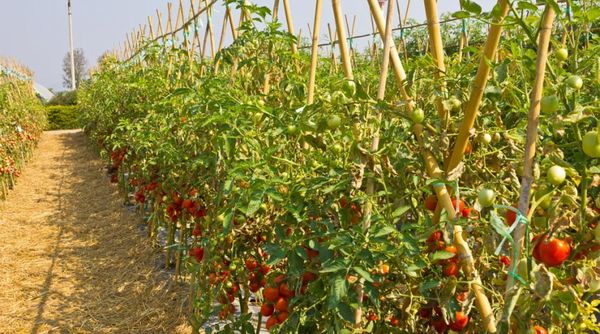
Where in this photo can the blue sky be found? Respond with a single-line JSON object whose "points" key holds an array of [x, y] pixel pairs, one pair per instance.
{"points": [[36, 32]]}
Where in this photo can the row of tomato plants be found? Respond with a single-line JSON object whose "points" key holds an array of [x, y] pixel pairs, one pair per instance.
{"points": [[263, 196], [22, 120]]}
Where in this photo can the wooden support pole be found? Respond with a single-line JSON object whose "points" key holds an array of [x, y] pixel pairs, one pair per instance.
{"points": [[275, 13], [332, 53], [394, 57], [385, 63], [437, 52], [479, 84], [224, 29], [512, 286], [314, 52], [151, 27], [290, 23]]}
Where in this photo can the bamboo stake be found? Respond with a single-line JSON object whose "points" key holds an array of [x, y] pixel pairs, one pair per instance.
{"points": [[437, 52], [160, 25], [169, 20], [232, 24], [435, 172], [385, 63], [290, 23], [394, 57], [314, 53], [512, 288], [224, 29], [332, 42], [210, 29], [479, 84], [150, 25], [406, 13], [275, 13], [267, 81]]}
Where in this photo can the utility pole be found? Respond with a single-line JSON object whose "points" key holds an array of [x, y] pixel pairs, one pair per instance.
{"points": [[73, 84]]}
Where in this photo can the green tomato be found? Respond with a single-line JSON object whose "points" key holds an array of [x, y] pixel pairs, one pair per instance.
{"points": [[418, 115], [562, 54], [575, 82], [334, 122], [549, 104], [257, 117], [339, 98], [591, 144], [337, 148], [556, 175], [454, 103], [349, 88], [484, 138], [486, 197], [292, 130], [541, 192]]}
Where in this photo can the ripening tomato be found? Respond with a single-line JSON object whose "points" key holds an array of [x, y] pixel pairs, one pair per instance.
{"points": [[554, 252], [539, 330]]}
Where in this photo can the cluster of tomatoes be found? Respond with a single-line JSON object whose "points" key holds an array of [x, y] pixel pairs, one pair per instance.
{"points": [[276, 302], [450, 265], [116, 157]]}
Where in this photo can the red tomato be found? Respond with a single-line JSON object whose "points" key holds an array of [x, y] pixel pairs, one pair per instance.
{"points": [[271, 322], [505, 260], [439, 324], [554, 252], [281, 305], [460, 321], [271, 294], [267, 310], [461, 204], [540, 330], [435, 236], [451, 269], [431, 202]]}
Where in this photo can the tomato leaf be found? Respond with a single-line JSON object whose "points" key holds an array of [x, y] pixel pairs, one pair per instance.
{"points": [[442, 255], [339, 290], [346, 312], [363, 273]]}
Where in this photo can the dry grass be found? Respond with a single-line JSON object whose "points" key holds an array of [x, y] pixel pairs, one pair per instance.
{"points": [[72, 259]]}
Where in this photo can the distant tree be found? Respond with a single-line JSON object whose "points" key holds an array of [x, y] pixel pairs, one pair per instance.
{"points": [[80, 68]]}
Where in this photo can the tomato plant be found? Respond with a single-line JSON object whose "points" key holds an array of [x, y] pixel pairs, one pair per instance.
{"points": [[266, 200]]}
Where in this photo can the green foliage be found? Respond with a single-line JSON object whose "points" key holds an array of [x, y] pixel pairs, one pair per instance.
{"points": [[66, 98], [22, 120], [63, 117], [276, 182]]}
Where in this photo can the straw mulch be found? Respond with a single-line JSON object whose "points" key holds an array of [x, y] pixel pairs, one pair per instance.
{"points": [[72, 260]]}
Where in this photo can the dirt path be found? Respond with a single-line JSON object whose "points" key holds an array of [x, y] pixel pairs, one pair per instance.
{"points": [[72, 260]]}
